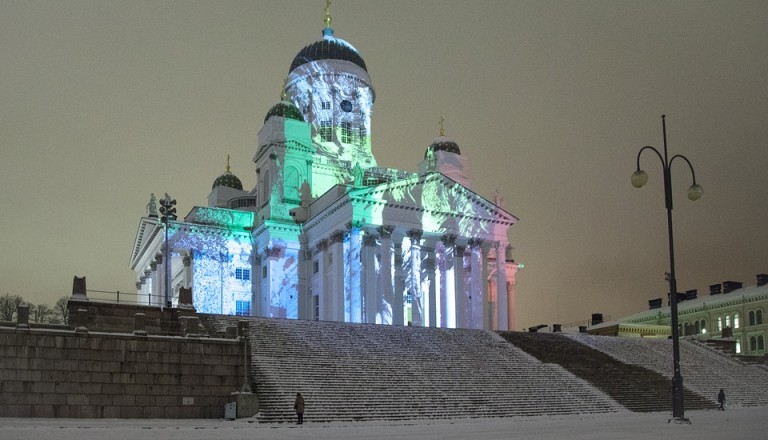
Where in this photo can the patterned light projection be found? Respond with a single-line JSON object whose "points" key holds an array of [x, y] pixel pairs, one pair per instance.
{"points": [[220, 244], [332, 235]]}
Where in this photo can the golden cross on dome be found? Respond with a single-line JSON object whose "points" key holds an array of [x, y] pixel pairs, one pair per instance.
{"points": [[227, 162], [442, 129], [327, 10]]}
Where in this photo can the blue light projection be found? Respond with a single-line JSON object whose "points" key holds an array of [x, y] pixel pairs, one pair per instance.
{"points": [[220, 243]]}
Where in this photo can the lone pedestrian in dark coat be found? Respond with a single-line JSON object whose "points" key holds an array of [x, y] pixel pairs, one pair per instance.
{"points": [[298, 405], [721, 399]]}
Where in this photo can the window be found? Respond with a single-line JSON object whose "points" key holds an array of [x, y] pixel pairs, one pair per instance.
{"points": [[727, 320], [264, 272], [703, 325], [242, 308], [736, 320], [326, 105], [243, 274], [738, 345], [316, 307], [719, 323], [362, 133], [751, 317], [326, 131], [346, 132], [759, 317], [315, 266], [760, 343], [753, 344], [697, 324]]}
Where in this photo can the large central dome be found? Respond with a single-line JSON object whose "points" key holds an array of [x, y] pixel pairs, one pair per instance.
{"points": [[329, 48]]}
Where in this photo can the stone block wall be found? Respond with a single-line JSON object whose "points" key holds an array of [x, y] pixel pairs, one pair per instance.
{"points": [[64, 373], [118, 318]]}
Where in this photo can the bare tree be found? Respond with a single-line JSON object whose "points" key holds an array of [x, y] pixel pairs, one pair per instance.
{"points": [[8, 305], [42, 313], [61, 311]]}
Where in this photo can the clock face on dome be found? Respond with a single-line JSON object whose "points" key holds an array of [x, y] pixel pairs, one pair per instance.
{"points": [[346, 106]]}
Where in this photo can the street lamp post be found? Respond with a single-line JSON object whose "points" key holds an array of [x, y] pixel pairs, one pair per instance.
{"points": [[640, 178], [168, 211]]}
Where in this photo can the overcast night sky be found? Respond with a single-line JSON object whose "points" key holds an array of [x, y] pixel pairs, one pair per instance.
{"points": [[104, 102]]}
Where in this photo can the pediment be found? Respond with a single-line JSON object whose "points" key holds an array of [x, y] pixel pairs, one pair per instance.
{"points": [[434, 203]]}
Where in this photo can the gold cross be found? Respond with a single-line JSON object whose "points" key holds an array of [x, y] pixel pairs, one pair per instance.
{"points": [[328, 13]]}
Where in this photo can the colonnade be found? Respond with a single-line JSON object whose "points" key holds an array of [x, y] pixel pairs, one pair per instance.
{"points": [[397, 276]]}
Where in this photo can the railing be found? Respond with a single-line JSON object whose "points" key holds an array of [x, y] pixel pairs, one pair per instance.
{"points": [[112, 296]]}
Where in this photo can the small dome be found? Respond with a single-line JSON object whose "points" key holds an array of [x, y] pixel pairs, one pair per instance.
{"points": [[228, 180], [329, 48], [286, 110], [443, 143]]}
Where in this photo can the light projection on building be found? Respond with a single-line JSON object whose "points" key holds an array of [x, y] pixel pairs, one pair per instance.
{"points": [[220, 245], [328, 234]]}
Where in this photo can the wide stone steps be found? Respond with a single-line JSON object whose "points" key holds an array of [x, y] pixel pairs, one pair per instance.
{"points": [[704, 369], [372, 372], [637, 388]]}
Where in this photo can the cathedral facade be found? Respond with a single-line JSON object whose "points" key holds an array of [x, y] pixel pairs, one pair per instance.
{"points": [[327, 233]]}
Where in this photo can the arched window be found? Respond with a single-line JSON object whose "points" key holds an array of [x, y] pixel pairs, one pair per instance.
{"points": [[752, 344], [736, 320], [738, 345], [698, 327], [759, 317], [727, 320], [751, 317], [760, 343], [719, 323], [703, 325]]}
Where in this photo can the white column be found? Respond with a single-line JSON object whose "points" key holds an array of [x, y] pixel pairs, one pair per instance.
{"points": [[459, 292], [430, 304], [353, 307], [502, 320], [476, 281], [335, 300], [385, 296], [445, 260], [414, 284], [398, 312], [370, 296], [319, 288], [510, 287], [487, 324]]}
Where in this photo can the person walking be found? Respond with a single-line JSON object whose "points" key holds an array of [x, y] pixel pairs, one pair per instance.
{"points": [[298, 405], [721, 399]]}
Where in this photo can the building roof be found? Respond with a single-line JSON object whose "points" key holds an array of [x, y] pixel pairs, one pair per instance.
{"points": [[739, 296], [328, 48]]}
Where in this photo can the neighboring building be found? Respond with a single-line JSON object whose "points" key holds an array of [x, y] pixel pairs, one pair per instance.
{"points": [[730, 313], [326, 233]]}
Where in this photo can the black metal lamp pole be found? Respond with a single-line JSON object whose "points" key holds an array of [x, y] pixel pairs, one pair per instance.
{"points": [[640, 178], [168, 211]]}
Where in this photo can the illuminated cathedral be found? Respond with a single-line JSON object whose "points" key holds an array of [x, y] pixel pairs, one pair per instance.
{"points": [[327, 233]]}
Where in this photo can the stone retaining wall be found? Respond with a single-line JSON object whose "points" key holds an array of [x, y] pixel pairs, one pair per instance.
{"points": [[65, 373]]}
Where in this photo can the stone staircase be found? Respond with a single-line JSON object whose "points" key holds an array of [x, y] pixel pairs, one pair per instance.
{"points": [[704, 369], [357, 372], [634, 386]]}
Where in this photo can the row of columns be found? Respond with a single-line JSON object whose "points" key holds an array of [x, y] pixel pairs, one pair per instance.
{"points": [[150, 288], [433, 278]]}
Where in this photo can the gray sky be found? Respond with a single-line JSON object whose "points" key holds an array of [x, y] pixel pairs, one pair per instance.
{"points": [[104, 102]]}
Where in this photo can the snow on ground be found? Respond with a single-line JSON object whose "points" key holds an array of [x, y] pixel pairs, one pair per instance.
{"points": [[751, 423]]}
